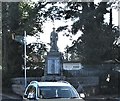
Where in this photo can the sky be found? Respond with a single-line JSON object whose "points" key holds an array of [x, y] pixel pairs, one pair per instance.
{"points": [[63, 41]]}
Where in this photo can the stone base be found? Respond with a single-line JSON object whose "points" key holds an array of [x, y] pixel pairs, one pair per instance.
{"points": [[54, 53], [52, 78]]}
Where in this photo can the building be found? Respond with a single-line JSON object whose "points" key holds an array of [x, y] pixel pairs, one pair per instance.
{"points": [[72, 65]]}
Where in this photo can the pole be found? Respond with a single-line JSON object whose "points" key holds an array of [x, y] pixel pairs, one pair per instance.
{"points": [[25, 58]]}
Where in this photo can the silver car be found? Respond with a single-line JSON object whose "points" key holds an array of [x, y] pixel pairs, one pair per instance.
{"points": [[50, 90]]}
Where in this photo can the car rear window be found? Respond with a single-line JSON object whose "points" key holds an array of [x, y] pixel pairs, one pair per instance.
{"points": [[57, 91]]}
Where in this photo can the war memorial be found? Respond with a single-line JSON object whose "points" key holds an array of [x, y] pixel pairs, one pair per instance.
{"points": [[54, 61]]}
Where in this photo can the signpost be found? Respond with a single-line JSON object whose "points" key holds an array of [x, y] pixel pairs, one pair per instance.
{"points": [[22, 40], [25, 58]]}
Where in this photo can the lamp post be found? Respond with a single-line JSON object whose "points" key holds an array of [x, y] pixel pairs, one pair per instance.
{"points": [[25, 59], [22, 40]]}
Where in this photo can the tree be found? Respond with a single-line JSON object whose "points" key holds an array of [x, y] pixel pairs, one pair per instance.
{"points": [[96, 44], [11, 54], [97, 38], [17, 17], [9, 25]]}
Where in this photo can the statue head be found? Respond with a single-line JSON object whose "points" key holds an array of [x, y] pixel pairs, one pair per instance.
{"points": [[54, 29]]}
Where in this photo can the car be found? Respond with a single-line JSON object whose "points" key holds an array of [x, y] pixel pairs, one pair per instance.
{"points": [[50, 90]]}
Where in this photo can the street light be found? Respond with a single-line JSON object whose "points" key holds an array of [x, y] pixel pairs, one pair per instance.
{"points": [[22, 40], [25, 58]]}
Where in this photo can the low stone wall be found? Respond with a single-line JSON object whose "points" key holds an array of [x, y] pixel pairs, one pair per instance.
{"points": [[21, 80], [18, 84], [86, 82], [18, 89], [89, 84]]}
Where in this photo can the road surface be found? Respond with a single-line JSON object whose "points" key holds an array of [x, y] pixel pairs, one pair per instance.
{"points": [[5, 97]]}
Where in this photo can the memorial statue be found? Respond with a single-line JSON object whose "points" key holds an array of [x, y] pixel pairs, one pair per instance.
{"points": [[53, 40], [54, 60]]}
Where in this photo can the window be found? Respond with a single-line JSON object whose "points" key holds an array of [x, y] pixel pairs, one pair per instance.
{"points": [[31, 92], [57, 91]]}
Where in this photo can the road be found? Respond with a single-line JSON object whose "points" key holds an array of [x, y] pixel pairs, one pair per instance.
{"points": [[14, 97], [10, 98], [102, 99], [5, 97]]}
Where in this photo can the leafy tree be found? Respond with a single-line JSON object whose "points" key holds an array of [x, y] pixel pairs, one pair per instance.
{"points": [[17, 17], [97, 38], [10, 23], [11, 55], [96, 44]]}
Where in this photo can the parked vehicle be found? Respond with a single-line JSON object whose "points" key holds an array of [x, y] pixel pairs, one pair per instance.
{"points": [[50, 90]]}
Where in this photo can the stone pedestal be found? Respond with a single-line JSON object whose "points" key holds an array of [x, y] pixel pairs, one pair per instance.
{"points": [[52, 78], [53, 67]]}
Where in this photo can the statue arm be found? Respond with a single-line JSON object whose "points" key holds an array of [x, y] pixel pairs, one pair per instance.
{"points": [[51, 36], [56, 36]]}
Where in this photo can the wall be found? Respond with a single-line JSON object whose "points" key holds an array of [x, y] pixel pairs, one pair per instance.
{"points": [[19, 88], [18, 84]]}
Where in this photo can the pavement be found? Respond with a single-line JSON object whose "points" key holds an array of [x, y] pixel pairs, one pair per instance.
{"points": [[11, 96], [15, 97], [103, 98]]}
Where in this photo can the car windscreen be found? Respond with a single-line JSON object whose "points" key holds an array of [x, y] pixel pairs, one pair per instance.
{"points": [[58, 92]]}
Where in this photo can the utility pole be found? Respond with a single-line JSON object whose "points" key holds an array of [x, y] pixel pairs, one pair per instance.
{"points": [[110, 22], [25, 59], [22, 40]]}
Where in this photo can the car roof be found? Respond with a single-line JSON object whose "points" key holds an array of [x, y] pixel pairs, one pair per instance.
{"points": [[58, 83]]}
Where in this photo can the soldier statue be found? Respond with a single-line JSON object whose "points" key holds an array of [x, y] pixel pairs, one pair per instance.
{"points": [[53, 40]]}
